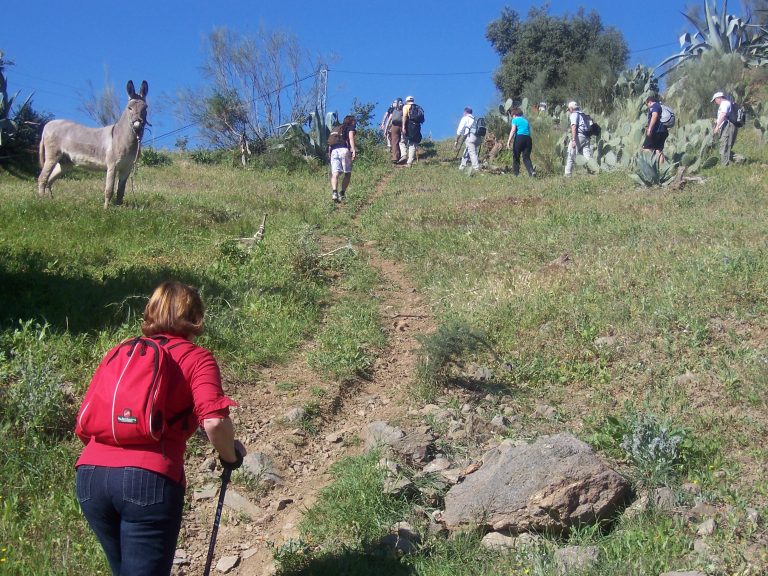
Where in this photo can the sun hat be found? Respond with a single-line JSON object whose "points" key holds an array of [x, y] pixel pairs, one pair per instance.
{"points": [[572, 104], [717, 95], [409, 99]]}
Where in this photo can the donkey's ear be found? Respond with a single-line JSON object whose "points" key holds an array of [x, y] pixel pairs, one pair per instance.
{"points": [[144, 89], [130, 89]]}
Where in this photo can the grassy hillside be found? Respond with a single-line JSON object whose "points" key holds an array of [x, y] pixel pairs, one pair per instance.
{"points": [[623, 309]]}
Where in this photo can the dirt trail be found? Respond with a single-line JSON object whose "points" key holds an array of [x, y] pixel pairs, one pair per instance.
{"points": [[303, 457]]}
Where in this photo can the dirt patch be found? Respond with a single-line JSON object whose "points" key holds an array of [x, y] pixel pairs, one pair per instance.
{"points": [[304, 454]]}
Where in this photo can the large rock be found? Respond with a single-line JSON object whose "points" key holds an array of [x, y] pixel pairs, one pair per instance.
{"points": [[549, 485]]}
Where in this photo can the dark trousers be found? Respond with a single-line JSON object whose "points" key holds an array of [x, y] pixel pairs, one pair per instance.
{"points": [[523, 146], [395, 133], [135, 514]]}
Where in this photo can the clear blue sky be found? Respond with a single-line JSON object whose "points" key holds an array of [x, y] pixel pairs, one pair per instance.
{"points": [[384, 50]]}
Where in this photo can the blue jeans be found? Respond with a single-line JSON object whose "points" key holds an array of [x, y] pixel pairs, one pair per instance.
{"points": [[135, 514]]}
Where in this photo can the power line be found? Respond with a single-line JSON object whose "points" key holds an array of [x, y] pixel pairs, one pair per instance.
{"points": [[363, 73], [261, 98]]}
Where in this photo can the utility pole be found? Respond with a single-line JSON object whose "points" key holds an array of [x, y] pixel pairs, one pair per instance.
{"points": [[322, 89]]}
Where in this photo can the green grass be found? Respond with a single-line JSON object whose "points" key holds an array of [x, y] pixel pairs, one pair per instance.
{"points": [[679, 279]]}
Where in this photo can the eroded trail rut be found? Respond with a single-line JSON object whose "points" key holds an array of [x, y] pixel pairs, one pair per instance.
{"points": [[303, 457]]}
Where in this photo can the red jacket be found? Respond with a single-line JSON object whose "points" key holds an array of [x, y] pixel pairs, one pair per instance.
{"points": [[198, 387]]}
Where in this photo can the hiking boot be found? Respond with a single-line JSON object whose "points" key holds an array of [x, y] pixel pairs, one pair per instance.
{"points": [[335, 197], [342, 196]]}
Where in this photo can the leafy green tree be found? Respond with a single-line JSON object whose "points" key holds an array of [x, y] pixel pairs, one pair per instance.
{"points": [[541, 52], [257, 84]]}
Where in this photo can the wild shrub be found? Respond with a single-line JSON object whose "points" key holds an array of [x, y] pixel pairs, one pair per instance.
{"points": [[654, 447], [452, 341], [152, 157], [210, 157]]}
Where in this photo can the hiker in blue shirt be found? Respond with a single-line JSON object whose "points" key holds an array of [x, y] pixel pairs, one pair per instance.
{"points": [[520, 134], [656, 132]]}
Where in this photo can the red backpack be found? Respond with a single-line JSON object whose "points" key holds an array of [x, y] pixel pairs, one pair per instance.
{"points": [[125, 401]]}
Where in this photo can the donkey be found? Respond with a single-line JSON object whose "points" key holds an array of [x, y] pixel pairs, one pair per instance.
{"points": [[114, 148]]}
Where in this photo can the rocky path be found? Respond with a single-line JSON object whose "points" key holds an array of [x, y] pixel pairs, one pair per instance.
{"points": [[255, 518]]}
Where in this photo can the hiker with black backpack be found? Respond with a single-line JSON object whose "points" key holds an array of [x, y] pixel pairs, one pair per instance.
{"points": [[656, 131], [395, 130], [342, 153], [581, 130], [730, 116], [468, 131], [413, 118], [146, 399]]}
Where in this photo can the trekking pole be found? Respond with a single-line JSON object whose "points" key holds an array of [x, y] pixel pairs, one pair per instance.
{"points": [[225, 476]]}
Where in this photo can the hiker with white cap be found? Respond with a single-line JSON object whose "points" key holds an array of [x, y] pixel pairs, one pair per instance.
{"points": [[413, 117], [579, 143], [724, 127]]}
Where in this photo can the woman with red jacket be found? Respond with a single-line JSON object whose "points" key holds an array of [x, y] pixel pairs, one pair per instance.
{"points": [[133, 496]]}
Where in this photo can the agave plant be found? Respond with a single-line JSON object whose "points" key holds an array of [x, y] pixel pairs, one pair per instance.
{"points": [[314, 143], [649, 171], [8, 125], [723, 33]]}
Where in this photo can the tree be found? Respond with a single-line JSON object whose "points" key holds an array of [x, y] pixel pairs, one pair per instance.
{"points": [[540, 52], [257, 84], [104, 107]]}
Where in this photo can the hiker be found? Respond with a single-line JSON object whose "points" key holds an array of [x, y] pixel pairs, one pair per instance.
{"points": [[341, 151], [385, 120], [520, 142], [725, 128], [579, 142], [413, 117], [471, 140], [655, 132], [395, 131], [133, 496]]}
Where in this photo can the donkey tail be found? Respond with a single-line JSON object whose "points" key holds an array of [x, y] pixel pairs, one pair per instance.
{"points": [[41, 154]]}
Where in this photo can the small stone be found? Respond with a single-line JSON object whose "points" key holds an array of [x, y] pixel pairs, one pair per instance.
{"points": [[706, 528], [334, 437], [606, 341], [664, 499], [497, 541], [437, 465], [576, 559], [282, 504], [295, 415], [753, 516], [206, 493], [227, 563]]}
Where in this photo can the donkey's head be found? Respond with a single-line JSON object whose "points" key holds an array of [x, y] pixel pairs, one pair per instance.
{"points": [[137, 107]]}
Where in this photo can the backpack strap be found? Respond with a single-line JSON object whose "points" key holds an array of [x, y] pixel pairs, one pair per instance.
{"points": [[163, 341]]}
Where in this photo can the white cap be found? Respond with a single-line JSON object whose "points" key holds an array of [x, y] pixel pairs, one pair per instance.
{"points": [[409, 99], [572, 105], [718, 95]]}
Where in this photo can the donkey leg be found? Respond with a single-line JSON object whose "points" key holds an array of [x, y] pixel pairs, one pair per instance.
{"points": [[110, 186], [50, 171], [121, 181]]}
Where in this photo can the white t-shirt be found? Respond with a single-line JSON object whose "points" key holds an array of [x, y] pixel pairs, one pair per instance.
{"points": [[724, 109], [464, 125], [577, 118]]}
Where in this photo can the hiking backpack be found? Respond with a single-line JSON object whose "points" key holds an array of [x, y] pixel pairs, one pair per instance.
{"points": [[416, 114], [125, 401], [337, 137], [667, 117], [591, 128], [737, 115], [478, 127], [397, 117]]}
